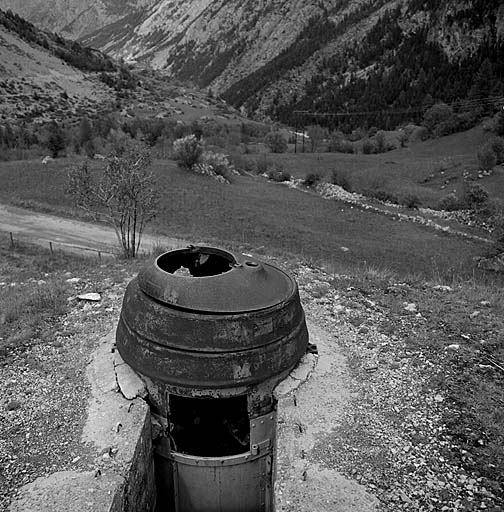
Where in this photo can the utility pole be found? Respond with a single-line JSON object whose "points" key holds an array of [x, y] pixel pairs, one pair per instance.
{"points": [[295, 133]]}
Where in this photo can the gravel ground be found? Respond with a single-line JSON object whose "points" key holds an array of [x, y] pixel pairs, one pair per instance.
{"points": [[393, 438], [44, 390]]}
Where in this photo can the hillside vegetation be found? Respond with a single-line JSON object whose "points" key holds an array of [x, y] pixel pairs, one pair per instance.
{"points": [[351, 58]]}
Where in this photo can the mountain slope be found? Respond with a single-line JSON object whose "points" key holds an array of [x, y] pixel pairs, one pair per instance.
{"points": [[73, 18], [275, 56], [39, 74]]}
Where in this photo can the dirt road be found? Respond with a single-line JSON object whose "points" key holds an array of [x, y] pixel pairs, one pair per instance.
{"points": [[68, 234]]}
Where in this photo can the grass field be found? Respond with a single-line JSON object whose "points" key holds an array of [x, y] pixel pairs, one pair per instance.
{"points": [[254, 213], [422, 168]]}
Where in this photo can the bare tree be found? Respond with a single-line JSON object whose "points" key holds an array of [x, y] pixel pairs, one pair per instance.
{"points": [[124, 196]]}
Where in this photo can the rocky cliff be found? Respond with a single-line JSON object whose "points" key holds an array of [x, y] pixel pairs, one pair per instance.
{"points": [[265, 54]]}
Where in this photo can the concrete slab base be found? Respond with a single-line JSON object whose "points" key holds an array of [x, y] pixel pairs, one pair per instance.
{"points": [[306, 411], [119, 429], [69, 491]]}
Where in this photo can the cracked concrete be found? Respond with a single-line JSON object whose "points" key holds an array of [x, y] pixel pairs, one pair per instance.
{"points": [[309, 409], [130, 384], [119, 429]]}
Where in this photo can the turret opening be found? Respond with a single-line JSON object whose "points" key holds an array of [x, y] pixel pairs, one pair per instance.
{"points": [[196, 262]]}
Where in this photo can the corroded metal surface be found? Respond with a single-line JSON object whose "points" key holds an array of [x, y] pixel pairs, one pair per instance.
{"points": [[222, 484], [254, 332], [206, 279]]}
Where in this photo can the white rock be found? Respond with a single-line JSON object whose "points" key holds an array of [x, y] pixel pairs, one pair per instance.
{"points": [[443, 288], [454, 346], [411, 307], [73, 280], [93, 297]]}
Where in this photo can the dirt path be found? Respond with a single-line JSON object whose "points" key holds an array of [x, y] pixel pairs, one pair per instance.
{"points": [[67, 233]]}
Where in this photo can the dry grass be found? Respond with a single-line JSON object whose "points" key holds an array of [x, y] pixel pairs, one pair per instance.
{"points": [[429, 170], [253, 212]]}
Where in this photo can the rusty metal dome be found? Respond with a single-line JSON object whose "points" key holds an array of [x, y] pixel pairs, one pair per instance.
{"points": [[204, 318]]}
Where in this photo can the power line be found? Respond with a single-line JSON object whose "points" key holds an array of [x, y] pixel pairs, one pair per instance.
{"points": [[468, 103]]}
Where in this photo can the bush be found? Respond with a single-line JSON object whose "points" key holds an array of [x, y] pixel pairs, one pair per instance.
{"points": [[381, 142], [436, 116], [187, 151], [243, 164], [216, 165], [411, 200], [341, 146], [276, 142], [312, 179], [445, 127], [382, 195], [278, 174], [499, 123], [474, 195], [498, 228], [262, 166], [340, 177], [451, 203], [420, 133], [367, 147], [486, 157], [497, 145]]}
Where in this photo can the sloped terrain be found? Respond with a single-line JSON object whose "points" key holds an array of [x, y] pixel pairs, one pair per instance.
{"points": [[37, 79], [274, 57], [72, 18]]}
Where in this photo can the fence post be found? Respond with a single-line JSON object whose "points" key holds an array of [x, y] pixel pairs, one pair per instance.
{"points": [[11, 240], [51, 247]]}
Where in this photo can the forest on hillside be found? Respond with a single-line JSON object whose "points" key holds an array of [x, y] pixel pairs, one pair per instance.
{"points": [[389, 77]]}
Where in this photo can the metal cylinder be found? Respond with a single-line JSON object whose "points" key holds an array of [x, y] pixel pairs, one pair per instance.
{"points": [[213, 333]]}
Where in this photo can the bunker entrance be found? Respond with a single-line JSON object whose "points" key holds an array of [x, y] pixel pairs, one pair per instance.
{"points": [[196, 262], [209, 427]]}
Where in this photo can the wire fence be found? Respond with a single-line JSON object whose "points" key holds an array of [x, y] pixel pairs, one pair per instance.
{"points": [[12, 240]]}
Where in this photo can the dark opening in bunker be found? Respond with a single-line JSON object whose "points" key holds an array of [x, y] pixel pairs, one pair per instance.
{"points": [[196, 262], [209, 427]]}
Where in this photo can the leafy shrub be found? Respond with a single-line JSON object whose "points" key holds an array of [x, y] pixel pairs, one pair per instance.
{"points": [[466, 120], [497, 221], [497, 145], [187, 151], [445, 127], [420, 133], [312, 179], [382, 195], [499, 123], [438, 114], [278, 174], [367, 147], [451, 203], [216, 165], [341, 146], [340, 177], [486, 157], [276, 142], [474, 195], [262, 166], [410, 200], [381, 142], [243, 164]]}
